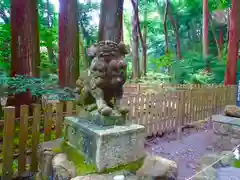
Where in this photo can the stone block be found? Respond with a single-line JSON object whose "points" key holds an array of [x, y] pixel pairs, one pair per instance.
{"points": [[45, 154], [106, 147]]}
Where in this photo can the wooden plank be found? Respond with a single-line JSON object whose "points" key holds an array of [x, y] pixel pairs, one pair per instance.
{"points": [[48, 123], [8, 136], [23, 139], [35, 136], [59, 119], [69, 108]]}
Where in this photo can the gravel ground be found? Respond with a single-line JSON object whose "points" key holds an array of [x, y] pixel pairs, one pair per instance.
{"points": [[186, 152]]}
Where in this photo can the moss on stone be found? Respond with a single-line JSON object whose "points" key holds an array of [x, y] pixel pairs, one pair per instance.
{"points": [[236, 164], [78, 159], [84, 168], [130, 167]]}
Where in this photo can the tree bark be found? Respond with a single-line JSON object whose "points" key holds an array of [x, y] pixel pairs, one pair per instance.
{"points": [[68, 43], [135, 44], [51, 55], [82, 51], [215, 39], [110, 24], [175, 28], [25, 38], [144, 44], [165, 27], [25, 48], [205, 33], [233, 46], [221, 38]]}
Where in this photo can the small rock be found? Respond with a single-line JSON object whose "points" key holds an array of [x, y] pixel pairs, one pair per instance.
{"points": [[191, 165], [210, 148], [62, 167], [189, 150], [156, 166]]}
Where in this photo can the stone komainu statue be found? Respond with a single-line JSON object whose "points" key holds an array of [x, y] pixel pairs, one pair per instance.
{"points": [[101, 86]]}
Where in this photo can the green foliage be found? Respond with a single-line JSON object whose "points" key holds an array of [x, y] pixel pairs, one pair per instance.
{"points": [[154, 78], [36, 86]]}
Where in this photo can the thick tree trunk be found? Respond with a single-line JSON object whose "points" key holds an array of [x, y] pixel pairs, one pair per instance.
{"points": [[135, 44], [25, 38], [205, 33], [68, 43], [233, 46], [25, 49], [110, 25]]}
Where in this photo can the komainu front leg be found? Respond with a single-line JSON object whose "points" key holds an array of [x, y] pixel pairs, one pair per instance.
{"points": [[123, 110], [103, 108]]}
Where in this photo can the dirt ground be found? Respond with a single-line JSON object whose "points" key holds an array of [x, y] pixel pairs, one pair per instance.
{"points": [[186, 152]]}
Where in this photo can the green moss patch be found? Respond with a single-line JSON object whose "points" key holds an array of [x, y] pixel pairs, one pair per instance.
{"points": [[84, 168], [130, 167], [78, 159]]}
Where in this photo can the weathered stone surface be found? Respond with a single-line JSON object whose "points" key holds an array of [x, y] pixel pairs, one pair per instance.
{"points": [[209, 174], [225, 159], [110, 176], [45, 155], [211, 162], [232, 110], [226, 132], [159, 167], [106, 146], [104, 79], [62, 168]]}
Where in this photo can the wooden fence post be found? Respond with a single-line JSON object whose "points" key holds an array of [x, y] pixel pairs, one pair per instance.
{"points": [[69, 108], [48, 122], [181, 113], [8, 136], [59, 119], [35, 136], [23, 139]]}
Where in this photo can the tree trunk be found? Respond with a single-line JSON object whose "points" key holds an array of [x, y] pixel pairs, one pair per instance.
{"points": [[68, 43], [165, 27], [110, 24], [82, 51], [144, 44], [25, 38], [205, 33], [175, 28], [142, 39], [215, 39], [135, 44], [51, 55], [221, 38], [25, 49], [233, 46]]}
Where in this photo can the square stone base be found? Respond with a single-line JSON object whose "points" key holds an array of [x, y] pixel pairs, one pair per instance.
{"points": [[107, 147]]}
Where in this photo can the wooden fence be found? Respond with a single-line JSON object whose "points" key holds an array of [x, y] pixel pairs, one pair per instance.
{"points": [[167, 111], [163, 111]]}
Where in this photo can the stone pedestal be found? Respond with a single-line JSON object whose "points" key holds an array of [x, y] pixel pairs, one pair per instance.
{"points": [[226, 132], [105, 146]]}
